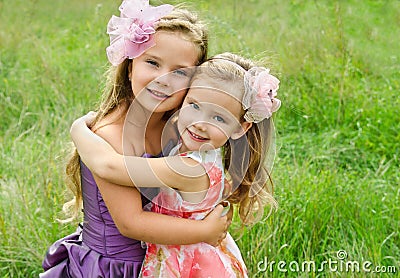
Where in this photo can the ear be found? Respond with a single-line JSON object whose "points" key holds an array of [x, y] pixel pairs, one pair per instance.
{"points": [[244, 127]]}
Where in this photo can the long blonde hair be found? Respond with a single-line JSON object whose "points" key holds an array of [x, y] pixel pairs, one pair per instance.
{"points": [[246, 159], [118, 89]]}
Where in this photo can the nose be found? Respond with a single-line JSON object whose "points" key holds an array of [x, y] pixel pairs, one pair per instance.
{"points": [[164, 78], [200, 125]]}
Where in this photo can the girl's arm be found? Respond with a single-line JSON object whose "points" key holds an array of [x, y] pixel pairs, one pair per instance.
{"points": [[100, 157], [125, 207]]}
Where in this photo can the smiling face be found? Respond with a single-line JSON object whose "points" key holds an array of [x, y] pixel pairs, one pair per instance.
{"points": [[210, 115], [159, 77]]}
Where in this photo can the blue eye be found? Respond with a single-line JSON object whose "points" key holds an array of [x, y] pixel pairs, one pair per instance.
{"points": [[181, 72], [219, 119], [195, 106]]}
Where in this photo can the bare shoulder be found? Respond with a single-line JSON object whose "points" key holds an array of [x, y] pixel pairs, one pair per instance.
{"points": [[110, 129]]}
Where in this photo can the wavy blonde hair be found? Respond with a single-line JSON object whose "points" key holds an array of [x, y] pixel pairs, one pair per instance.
{"points": [[118, 90], [246, 159]]}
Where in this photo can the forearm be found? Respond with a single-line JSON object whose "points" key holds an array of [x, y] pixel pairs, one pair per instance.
{"points": [[168, 230], [104, 161], [125, 207]]}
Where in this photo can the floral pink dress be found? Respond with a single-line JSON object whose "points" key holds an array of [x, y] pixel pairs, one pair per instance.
{"points": [[201, 259]]}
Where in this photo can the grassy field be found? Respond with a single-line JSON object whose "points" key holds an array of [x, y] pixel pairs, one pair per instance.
{"points": [[337, 170]]}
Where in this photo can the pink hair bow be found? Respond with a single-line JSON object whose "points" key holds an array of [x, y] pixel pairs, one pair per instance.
{"points": [[259, 99], [131, 33]]}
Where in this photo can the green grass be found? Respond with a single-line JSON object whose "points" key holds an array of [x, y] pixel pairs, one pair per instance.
{"points": [[337, 170]]}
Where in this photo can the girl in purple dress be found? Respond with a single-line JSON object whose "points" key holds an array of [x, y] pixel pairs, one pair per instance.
{"points": [[145, 43], [225, 134]]}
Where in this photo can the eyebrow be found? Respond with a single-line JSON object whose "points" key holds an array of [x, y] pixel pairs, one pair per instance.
{"points": [[188, 99], [152, 56], [182, 67]]}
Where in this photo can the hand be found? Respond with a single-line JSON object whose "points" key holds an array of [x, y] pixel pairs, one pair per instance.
{"points": [[217, 225], [84, 121], [89, 118]]}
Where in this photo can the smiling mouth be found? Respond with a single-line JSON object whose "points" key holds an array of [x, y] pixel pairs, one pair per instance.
{"points": [[157, 94], [196, 137]]}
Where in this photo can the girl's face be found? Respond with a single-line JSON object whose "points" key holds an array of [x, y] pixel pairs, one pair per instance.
{"points": [[210, 115], [159, 77]]}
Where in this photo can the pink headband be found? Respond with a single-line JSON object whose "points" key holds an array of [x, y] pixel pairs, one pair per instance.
{"points": [[260, 91], [131, 33]]}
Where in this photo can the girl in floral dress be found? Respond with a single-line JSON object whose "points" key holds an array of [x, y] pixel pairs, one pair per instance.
{"points": [[225, 139]]}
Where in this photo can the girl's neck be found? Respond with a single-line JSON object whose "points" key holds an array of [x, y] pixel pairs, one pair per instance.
{"points": [[147, 127], [155, 120], [153, 132]]}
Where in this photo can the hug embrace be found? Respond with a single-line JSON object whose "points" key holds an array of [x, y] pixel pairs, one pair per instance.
{"points": [[178, 140]]}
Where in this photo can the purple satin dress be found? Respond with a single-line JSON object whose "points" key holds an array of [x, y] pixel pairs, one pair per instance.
{"points": [[97, 249]]}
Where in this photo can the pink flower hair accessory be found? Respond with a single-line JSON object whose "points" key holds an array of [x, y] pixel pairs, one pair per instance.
{"points": [[131, 34], [259, 100]]}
